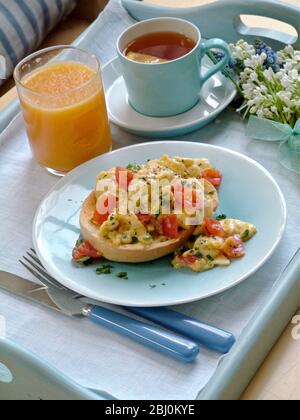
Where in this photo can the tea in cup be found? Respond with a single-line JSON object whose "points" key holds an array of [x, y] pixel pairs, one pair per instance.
{"points": [[161, 63]]}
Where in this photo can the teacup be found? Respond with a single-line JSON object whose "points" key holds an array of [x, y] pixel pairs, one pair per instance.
{"points": [[173, 87]]}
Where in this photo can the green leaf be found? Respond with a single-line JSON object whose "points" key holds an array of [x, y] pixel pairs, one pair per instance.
{"points": [[123, 275], [134, 167], [85, 261], [104, 269], [246, 234]]}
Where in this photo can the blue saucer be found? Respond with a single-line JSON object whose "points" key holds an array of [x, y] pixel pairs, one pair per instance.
{"points": [[215, 96]]}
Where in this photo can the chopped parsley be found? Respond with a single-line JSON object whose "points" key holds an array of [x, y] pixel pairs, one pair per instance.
{"points": [[246, 234], [79, 242], [198, 254], [210, 258], [123, 275], [221, 217], [104, 269], [134, 167], [85, 261]]}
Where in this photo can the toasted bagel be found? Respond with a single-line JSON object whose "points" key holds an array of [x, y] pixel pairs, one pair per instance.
{"points": [[133, 253]]}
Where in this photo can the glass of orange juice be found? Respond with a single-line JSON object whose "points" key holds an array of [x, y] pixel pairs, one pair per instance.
{"points": [[63, 103]]}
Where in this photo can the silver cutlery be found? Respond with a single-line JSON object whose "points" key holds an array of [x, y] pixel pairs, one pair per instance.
{"points": [[55, 296]]}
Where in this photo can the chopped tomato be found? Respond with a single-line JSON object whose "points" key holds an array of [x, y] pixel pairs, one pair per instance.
{"points": [[196, 204], [213, 176], [123, 177], [170, 226], [213, 227], [106, 205], [181, 199], [146, 219], [234, 247], [178, 192], [189, 259], [150, 219], [85, 249], [99, 219]]}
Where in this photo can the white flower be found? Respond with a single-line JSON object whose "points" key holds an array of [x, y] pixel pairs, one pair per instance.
{"points": [[268, 94], [287, 53], [241, 50], [293, 74], [253, 77], [256, 61], [269, 74]]}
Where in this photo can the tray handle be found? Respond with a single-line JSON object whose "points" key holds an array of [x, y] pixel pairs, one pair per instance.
{"points": [[223, 18], [24, 376]]}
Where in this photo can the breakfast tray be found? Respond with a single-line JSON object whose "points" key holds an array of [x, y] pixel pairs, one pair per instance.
{"points": [[257, 311]]}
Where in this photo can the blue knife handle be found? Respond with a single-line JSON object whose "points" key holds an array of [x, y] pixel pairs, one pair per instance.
{"points": [[151, 336], [207, 335]]}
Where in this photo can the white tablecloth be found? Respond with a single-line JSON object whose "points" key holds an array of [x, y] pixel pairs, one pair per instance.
{"points": [[95, 357]]}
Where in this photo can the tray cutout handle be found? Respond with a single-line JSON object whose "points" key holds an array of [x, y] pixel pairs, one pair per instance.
{"points": [[243, 27], [6, 377]]}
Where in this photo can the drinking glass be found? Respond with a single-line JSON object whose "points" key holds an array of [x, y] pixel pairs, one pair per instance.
{"points": [[63, 103]]}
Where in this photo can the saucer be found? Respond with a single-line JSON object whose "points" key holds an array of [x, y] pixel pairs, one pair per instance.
{"points": [[216, 94]]}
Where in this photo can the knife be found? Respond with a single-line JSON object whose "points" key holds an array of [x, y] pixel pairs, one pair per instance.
{"points": [[65, 302]]}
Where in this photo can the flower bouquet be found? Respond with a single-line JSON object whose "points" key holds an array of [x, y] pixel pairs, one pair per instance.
{"points": [[269, 83]]}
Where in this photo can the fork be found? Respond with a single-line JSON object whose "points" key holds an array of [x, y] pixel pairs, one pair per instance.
{"points": [[202, 333], [69, 302]]}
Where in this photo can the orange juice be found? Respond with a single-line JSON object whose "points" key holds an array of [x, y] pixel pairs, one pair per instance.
{"points": [[65, 115]]}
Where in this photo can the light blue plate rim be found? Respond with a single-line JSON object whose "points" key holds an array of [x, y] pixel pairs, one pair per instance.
{"points": [[75, 173]]}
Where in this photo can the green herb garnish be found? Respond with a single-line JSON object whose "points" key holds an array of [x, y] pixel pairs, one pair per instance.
{"points": [[104, 269], [221, 217], [198, 254], [79, 242], [134, 167], [246, 234], [210, 258], [85, 261], [123, 275]]}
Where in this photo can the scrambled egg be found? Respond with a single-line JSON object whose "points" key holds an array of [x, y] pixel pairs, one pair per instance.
{"points": [[122, 230], [208, 252], [129, 229]]}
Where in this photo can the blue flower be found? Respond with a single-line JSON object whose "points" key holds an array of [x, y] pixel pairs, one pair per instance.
{"points": [[272, 59]]}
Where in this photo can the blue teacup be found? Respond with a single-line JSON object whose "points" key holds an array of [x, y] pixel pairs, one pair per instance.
{"points": [[173, 87]]}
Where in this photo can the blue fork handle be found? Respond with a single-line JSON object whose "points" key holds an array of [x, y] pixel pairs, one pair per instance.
{"points": [[207, 335], [156, 338]]}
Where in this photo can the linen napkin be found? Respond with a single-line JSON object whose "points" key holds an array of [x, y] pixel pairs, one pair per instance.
{"points": [[90, 355]]}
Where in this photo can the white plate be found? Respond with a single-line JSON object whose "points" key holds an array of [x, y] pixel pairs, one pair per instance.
{"points": [[56, 229], [216, 94]]}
